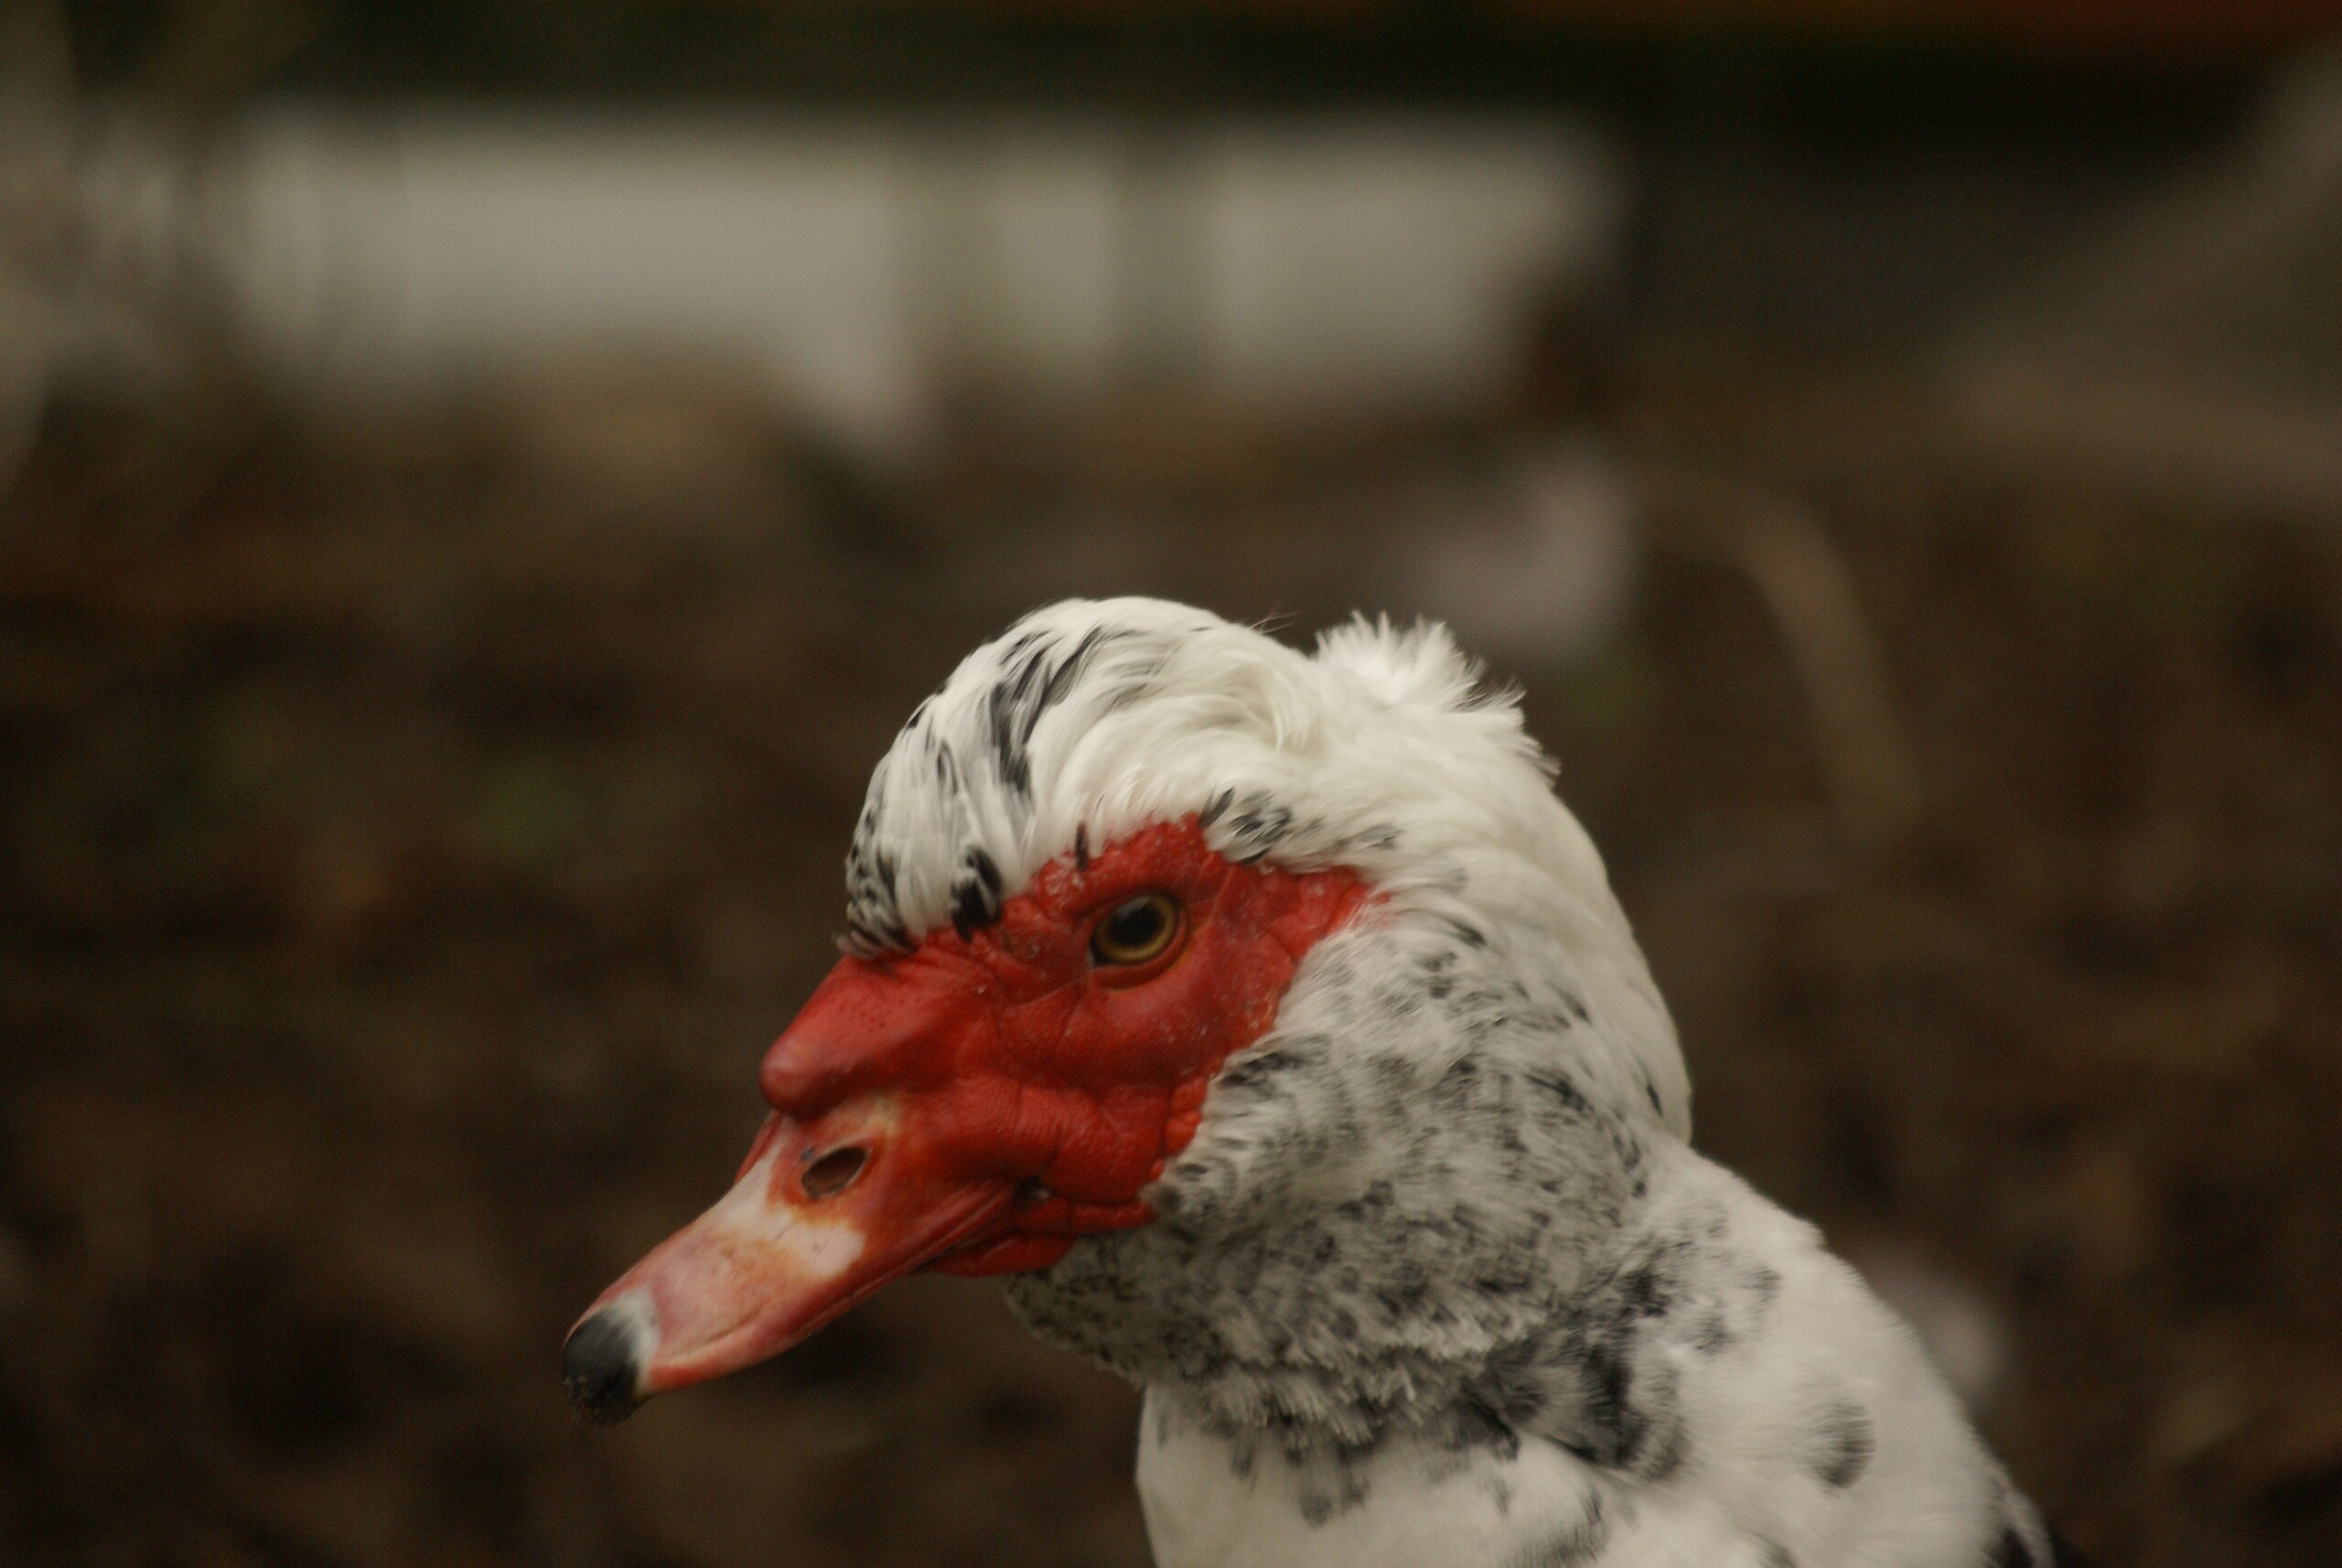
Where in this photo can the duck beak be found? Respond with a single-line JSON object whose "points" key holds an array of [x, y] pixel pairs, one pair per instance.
{"points": [[815, 1222]]}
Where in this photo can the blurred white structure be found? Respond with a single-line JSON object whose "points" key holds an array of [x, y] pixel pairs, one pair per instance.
{"points": [[860, 267], [1533, 563]]}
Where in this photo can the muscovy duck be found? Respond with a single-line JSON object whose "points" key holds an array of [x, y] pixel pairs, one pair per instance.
{"points": [[1269, 1027]]}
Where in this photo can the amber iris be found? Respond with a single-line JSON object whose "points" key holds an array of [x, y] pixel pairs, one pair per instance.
{"points": [[1136, 930]]}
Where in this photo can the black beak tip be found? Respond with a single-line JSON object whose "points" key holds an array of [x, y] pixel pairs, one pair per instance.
{"points": [[598, 1366]]}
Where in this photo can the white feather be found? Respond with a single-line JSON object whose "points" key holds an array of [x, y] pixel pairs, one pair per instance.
{"points": [[1388, 753]]}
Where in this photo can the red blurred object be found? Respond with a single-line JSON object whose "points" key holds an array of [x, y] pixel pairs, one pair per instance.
{"points": [[2088, 26], [2117, 28]]}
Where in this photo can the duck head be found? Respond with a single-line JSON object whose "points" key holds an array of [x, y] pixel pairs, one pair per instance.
{"points": [[1129, 865]]}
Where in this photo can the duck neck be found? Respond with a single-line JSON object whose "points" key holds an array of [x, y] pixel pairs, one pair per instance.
{"points": [[1367, 1245]]}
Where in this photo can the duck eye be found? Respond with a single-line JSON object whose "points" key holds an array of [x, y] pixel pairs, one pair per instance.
{"points": [[1136, 930]]}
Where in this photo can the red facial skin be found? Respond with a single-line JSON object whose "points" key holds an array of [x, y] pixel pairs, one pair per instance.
{"points": [[1010, 1092]]}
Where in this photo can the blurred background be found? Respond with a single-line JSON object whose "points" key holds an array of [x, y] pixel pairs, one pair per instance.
{"points": [[481, 483]]}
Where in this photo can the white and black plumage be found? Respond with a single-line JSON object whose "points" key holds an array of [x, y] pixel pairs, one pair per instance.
{"points": [[1415, 1264]]}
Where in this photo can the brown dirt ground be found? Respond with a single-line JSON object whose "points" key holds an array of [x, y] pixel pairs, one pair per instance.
{"points": [[410, 837]]}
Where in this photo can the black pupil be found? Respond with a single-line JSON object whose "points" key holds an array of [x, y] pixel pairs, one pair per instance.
{"points": [[1134, 926]]}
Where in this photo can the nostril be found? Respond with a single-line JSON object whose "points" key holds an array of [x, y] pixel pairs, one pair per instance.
{"points": [[833, 1172]]}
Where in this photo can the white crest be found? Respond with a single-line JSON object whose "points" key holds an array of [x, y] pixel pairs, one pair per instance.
{"points": [[1382, 752]]}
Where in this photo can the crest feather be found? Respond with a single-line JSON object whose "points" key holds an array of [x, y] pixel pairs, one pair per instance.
{"points": [[1417, 666]]}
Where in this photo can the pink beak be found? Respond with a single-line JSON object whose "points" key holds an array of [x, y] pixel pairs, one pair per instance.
{"points": [[812, 1225]]}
